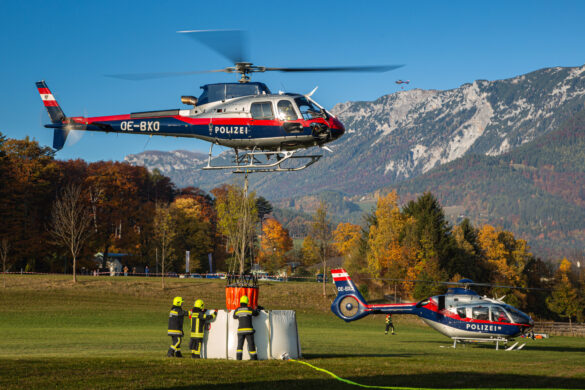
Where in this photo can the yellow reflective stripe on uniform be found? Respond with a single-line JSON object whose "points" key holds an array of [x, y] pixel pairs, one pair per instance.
{"points": [[245, 329], [244, 312], [195, 334], [173, 331], [252, 352], [239, 350], [174, 312]]}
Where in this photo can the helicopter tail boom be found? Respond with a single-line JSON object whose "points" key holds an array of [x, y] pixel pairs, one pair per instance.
{"points": [[350, 305], [55, 113]]}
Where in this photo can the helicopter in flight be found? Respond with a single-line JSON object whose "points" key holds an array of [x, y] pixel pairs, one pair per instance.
{"points": [[245, 116], [402, 82], [460, 314]]}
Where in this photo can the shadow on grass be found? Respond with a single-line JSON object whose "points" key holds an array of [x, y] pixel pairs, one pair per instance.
{"points": [[452, 380], [529, 346], [358, 355], [545, 348]]}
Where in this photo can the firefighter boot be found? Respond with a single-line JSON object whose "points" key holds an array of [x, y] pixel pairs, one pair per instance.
{"points": [[178, 354], [171, 353], [195, 356]]}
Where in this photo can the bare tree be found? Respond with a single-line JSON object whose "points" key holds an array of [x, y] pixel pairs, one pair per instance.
{"points": [[71, 221], [4, 249], [321, 231]]}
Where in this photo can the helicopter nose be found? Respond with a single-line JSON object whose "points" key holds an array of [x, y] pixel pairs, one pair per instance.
{"points": [[337, 128]]}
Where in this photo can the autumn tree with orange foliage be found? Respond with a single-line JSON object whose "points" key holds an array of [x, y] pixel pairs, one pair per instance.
{"points": [[30, 177], [274, 245], [346, 237], [565, 300], [505, 257], [386, 257]]}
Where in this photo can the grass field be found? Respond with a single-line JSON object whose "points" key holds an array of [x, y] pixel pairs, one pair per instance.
{"points": [[111, 333]]}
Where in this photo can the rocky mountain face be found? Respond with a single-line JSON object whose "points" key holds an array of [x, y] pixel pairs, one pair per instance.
{"points": [[407, 133], [402, 135]]}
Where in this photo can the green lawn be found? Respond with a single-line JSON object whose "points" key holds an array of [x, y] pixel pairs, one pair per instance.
{"points": [[111, 333]]}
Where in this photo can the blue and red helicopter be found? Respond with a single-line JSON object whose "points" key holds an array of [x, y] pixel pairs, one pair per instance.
{"points": [[245, 116], [460, 314]]}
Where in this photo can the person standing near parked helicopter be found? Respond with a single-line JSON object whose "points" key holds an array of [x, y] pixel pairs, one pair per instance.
{"points": [[389, 324]]}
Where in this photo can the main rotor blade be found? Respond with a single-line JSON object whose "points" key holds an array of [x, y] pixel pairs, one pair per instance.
{"points": [[159, 75], [371, 68], [232, 44]]}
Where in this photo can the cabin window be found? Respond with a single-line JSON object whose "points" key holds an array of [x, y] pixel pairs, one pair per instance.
{"points": [[262, 110], [499, 314], [480, 313], [286, 112], [461, 312]]}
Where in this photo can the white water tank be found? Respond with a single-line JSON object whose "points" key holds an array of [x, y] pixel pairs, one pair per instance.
{"points": [[276, 335]]}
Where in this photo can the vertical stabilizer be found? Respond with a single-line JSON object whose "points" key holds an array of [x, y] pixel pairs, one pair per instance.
{"points": [[55, 113]]}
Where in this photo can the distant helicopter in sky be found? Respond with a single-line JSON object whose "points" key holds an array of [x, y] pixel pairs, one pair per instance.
{"points": [[460, 314], [245, 116], [402, 82]]}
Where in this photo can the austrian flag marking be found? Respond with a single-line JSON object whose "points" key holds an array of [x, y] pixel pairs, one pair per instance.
{"points": [[47, 97], [339, 275]]}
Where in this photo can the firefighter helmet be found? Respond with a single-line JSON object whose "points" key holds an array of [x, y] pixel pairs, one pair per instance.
{"points": [[244, 299], [199, 304], [177, 301]]}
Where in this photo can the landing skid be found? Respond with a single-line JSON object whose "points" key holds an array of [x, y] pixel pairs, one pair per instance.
{"points": [[496, 340], [251, 161]]}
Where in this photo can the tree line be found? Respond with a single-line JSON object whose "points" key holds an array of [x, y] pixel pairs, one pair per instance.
{"points": [[57, 215], [411, 251]]}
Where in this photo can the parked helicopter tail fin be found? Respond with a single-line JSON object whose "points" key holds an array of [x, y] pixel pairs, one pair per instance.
{"points": [[349, 304], [55, 113], [344, 284]]}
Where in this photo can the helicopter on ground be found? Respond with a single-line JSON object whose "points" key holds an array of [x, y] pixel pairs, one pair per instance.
{"points": [[245, 116], [460, 314]]}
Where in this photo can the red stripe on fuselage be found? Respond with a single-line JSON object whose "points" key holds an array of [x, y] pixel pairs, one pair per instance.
{"points": [[110, 118], [454, 316], [391, 305], [206, 121]]}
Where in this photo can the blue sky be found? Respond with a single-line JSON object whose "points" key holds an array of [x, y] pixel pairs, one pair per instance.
{"points": [[443, 44]]}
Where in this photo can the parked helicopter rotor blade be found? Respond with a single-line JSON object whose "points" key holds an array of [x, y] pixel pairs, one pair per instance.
{"points": [[367, 68], [232, 44], [160, 75], [478, 284]]}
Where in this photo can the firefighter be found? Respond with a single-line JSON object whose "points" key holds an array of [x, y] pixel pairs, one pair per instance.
{"points": [[176, 317], [245, 329], [389, 324], [199, 318]]}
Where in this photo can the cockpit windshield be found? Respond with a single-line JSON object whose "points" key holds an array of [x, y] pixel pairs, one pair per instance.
{"points": [[308, 109], [517, 316]]}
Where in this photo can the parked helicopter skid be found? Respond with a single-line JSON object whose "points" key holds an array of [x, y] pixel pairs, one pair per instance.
{"points": [[244, 116], [460, 314]]}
